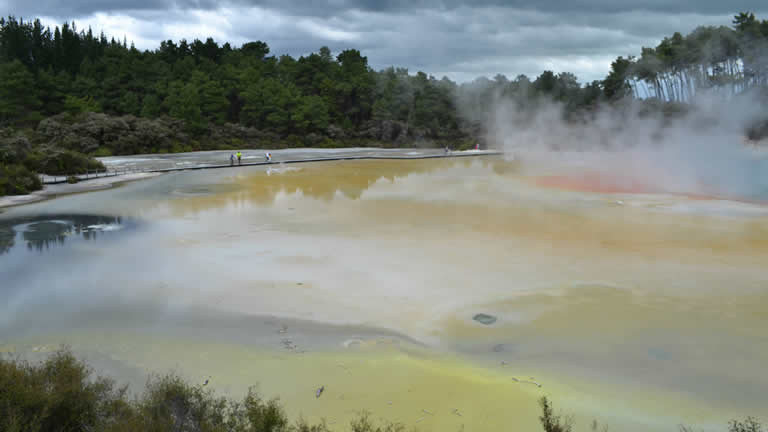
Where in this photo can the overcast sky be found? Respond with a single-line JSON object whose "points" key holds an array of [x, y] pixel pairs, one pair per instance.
{"points": [[460, 39]]}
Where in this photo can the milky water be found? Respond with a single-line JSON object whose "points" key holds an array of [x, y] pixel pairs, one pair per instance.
{"points": [[636, 309]]}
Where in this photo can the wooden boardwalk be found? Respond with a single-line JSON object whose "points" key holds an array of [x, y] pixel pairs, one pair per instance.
{"points": [[46, 179]]}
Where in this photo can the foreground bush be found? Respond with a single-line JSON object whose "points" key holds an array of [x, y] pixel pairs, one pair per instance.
{"points": [[57, 395], [62, 394], [552, 422], [750, 424]]}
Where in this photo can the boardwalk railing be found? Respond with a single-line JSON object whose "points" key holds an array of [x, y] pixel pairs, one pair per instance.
{"points": [[116, 171], [92, 174]]}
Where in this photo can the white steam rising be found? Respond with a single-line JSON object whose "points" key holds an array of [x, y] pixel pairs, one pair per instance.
{"points": [[703, 151]]}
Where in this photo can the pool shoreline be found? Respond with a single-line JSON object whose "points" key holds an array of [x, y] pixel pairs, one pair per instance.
{"points": [[52, 189], [56, 190]]}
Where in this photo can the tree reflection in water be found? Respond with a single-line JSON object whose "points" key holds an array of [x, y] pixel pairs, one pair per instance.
{"points": [[43, 232]]}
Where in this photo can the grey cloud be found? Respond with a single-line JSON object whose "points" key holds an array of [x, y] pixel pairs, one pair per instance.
{"points": [[333, 7], [591, 6], [75, 8], [460, 39]]}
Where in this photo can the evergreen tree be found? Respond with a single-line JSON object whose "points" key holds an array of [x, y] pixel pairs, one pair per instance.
{"points": [[18, 99], [183, 102], [151, 106], [129, 103]]}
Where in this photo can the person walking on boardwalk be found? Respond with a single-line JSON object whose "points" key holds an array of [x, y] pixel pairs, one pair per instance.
{"points": [[231, 159], [239, 157]]}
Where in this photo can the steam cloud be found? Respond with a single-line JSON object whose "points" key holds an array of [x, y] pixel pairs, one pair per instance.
{"points": [[631, 148]]}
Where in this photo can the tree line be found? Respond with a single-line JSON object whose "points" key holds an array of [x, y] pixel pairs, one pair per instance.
{"points": [[203, 95], [728, 59], [45, 72]]}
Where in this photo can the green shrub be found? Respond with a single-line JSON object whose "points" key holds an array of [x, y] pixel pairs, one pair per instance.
{"points": [[551, 422], [293, 141], [465, 145], [34, 161], [77, 105], [176, 147], [750, 424], [18, 180], [58, 395], [303, 426], [328, 143], [364, 424], [62, 394], [62, 162], [169, 403], [102, 152]]}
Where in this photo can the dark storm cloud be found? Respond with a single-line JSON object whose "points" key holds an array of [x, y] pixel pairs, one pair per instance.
{"points": [[461, 39], [611, 6], [316, 8]]}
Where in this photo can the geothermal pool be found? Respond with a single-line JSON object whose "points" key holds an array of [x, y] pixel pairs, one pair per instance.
{"points": [[639, 309]]}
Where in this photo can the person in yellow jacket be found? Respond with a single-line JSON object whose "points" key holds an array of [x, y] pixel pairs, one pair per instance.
{"points": [[239, 157]]}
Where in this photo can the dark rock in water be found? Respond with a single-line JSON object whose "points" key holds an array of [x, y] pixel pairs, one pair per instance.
{"points": [[499, 348], [484, 318]]}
